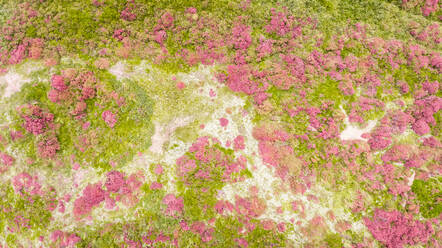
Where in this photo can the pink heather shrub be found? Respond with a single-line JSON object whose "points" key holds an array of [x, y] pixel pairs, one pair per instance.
{"points": [[191, 10], [166, 20], [429, 7], [238, 143], [110, 118], [36, 121], [120, 34], [207, 236], [265, 47], [93, 195], [436, 61], [242, 243], [24, 182], [57, 82], [431, 87], [36, 48], [133, 182], [415, 161], [53, 95], [238, 80], [34, 126], [87, 93], [223, 122], [202, 230], [426, 107], [395, 230], [5, 159], [155, 186], [48, 147], [160, 36], [17, 54], [185, 165], [158, 169], [403, 86], [252, 207], [268, 224], [174, 204], [114, 181], [241, 37], [296, 66], [421, 127], [399, 121], [278, 24], [269, 133], [397, 153], [272, 154], [380, 138], [432, 142], [15, 135], [127, 15], [180, 85]]}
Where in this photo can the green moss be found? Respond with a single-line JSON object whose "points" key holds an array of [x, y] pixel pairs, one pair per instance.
{"points": [[132, 131], [173, 66], [226, 231], [198, 205], [200, 194], [428, 195], [130, 135], [32, 208], [11, 240], [327, 90], [188, 133], [31, 31], [260, 237], [334, 240]]}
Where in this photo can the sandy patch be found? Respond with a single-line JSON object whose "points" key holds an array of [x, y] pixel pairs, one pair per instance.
{"points": [[13, 82], [353, 132], [163, 132]]}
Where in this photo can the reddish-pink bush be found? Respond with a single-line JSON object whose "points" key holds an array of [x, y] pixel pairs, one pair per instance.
{"points": [[36, 120], [48, 147], [421, 127], [128, 15], [5, 159], [174, 204], [238, 143], [241, 36], [24, 182], [18, 54], [57, 82], [92, 196], [114, 181], [110, 118], [395, 230]]}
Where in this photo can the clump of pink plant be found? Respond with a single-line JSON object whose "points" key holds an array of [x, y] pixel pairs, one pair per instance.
{"points": [[396, 230], [48, 146], [174, 204], [36, 120], [110, 118], [115, 181], [92, 196]]}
